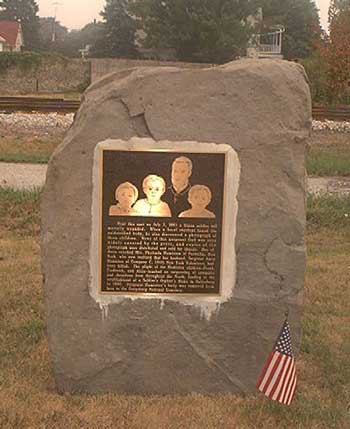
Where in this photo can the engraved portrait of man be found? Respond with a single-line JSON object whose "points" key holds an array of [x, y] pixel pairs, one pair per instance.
{"points": [[176, 195], [154, 188]]}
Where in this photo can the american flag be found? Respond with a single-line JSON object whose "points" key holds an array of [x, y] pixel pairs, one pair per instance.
{"points": [[279, 378]]}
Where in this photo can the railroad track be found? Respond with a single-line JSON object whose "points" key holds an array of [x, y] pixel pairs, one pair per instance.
{"points": [[60, 105], [340, 114], [36, 104]]}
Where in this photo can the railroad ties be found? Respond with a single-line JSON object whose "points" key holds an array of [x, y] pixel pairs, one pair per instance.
{"points": [[60, 105], [338, 114], [37, 104]]}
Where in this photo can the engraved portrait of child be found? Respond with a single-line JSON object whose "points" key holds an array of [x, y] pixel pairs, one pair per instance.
{"points": [[154, 188], [126, 195], [199, 196]]}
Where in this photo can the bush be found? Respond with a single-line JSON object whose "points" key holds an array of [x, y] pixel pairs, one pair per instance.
{"points": [[316, 70], [25, 61]]}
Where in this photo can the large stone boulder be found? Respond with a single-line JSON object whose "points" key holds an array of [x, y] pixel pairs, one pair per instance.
{"points": [[262, 109]]}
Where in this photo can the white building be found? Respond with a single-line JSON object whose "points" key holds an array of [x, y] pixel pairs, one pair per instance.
{"points": [[11, 36]]}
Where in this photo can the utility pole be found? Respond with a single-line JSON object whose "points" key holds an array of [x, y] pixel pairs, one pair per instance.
{"points": [[56, 5]]}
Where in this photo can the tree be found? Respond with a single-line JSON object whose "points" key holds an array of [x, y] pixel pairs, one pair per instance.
{"points": [[79, 39], [68, 43], [336, 51], [316, 70], [118, 38], [336, 7], [52, 34], [301, 21], [25, 12], [199, 30]]}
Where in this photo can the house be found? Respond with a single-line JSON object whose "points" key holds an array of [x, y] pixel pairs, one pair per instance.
{"points": [[2, 44], [267, 44], [11, 36]]}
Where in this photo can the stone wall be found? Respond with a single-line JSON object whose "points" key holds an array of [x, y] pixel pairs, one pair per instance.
{"points": [[50, 74], [103, 66], [59, 74]]}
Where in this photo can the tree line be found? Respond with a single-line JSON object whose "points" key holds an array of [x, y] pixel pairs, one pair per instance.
{"points": [[212, 31]]}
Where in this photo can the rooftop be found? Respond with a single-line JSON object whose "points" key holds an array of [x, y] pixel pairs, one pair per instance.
{"points": [[9, 31]]}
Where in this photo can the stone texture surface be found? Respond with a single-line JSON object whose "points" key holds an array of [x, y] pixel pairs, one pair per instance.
{"points": [[100, 67], [53, 74], [263, 110]]}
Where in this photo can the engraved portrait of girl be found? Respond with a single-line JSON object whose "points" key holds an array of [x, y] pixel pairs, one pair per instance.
{"points": [[126, 195]]}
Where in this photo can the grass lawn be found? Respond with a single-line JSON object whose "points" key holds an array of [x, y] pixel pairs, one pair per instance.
{"points": [[329, 159], [27, 391], [328, 155], [27, 149]]}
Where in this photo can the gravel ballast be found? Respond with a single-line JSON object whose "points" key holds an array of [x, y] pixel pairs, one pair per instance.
{"points": [[29, 176], [47, 122]]}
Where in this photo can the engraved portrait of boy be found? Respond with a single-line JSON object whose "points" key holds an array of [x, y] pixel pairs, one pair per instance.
{"points": [[154, 188]]}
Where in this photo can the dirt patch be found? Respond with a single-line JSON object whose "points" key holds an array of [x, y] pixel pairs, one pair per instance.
{"points": [[22, 176], [329, 185], [329, 138]]}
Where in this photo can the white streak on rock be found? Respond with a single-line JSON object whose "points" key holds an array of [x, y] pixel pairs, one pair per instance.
{"points": [[104, 311]]}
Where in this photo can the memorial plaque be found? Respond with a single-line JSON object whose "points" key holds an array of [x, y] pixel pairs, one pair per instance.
{"points": [[144, 298], [161, 221]]}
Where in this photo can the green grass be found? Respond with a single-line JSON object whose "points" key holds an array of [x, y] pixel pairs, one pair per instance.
{"points": [[20, 211], [16, 197], [331, 157], [329, 211], [32, 332], [305, 413], [27, 392], [329, 160], [29, 159], [28, 149]]}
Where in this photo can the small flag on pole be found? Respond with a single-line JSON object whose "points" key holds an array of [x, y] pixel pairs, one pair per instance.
{"points": [[279, 379]]}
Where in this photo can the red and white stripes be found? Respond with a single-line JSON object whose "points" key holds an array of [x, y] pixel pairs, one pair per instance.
{"points": [[278, 379]]}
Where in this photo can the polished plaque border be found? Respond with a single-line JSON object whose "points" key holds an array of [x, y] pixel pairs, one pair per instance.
{"points": [[179, 152]]}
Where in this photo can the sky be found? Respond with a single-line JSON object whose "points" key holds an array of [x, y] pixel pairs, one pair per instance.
{"points": [[74, 14]]}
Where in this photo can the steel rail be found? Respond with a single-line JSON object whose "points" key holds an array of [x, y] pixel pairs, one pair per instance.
{"points": [[60, 105], [36, 104], [341, 113]]}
